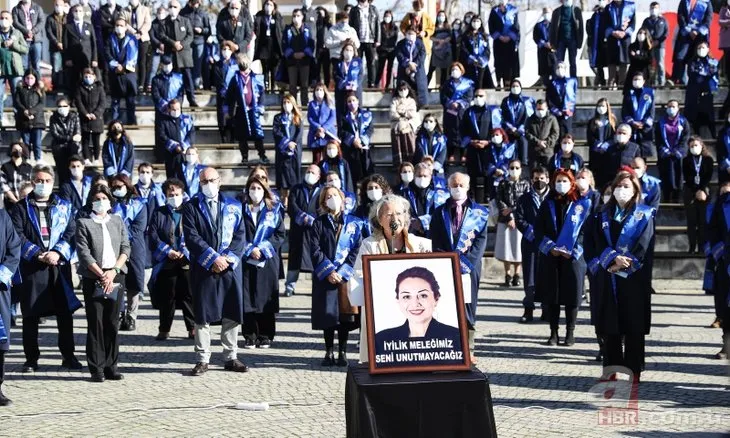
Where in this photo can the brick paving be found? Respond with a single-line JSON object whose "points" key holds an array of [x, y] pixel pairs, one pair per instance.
{"points": [[537, 390]]}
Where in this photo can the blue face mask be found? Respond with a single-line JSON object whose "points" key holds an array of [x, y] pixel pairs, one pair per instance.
{"points": [[88, 81]]}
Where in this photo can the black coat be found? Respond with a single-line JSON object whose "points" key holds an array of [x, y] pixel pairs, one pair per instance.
{"points": [[288, 162], [607, 164], [178, 30], [302, 209], [122, 84], [37, 21], [476, 158], [91, 99], [578, 30], [198, 18], [689, 172], [106, 17], [240, 33], [79, 48], [156, 31], [373, 22], [10, 260], [54, 31], [32, 100], [525, 213], [268, 47]]}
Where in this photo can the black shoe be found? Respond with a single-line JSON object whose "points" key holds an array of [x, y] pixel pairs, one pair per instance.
{"points": [[249, 344], [329, 359], [263, 343], [199, 369], [342, 359], [4, 401], [124, 323], [289, 293], [569, 338], [72, 363], [191, 334], [527, 316], [97, 377], [236, 366], [244, 161], [41, 321], [264, 159], [516, 280], [113, 375], [131, 324], [507, 281], [30, 367], [553, 338], [599, 356], [162, 336], [543, 316]]}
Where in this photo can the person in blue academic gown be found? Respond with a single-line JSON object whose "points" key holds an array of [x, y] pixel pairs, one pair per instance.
{"points": [[460, 225], [288, 127], [596, 44], [169, 283], [672, 133], [224, 70], [617, 241], [561, 96], [566, 158], [302, 210], [561, 268], [76, 190], [718, 260], [244, 98], [586, 185], [722, 149], [215, 236], [356, 130], [151, 193], [702, 84], [348, 75], [431, 142], [411, 55], [45, 287], [322, 119], [335, 241], [545, 51], [476, 128], [499, 153], [372, 189], [133, 211], [693, 23], [516, 109], [121, 55], [504, 29], [638, 111], [189, 171], [619, 24], [406, 174], [166, 85], [333, 161], [423, 198], [525, 213], [475, 53], [651, 187], [117, 153], [332, 179], [177, 134], [9, 261], [263, 220], [456, 95]]}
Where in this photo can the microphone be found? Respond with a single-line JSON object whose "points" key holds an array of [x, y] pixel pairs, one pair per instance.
{"points": [[394, 224]]}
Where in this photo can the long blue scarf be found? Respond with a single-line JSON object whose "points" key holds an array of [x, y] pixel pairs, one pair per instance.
{"points": [[118, 164], [437, 144], [163, 249], [474, 219], [574, 165], [348, 238], [230, 216], [644, 105], [267, 224], [129, 56], [697, 15], [567, 240], [194, 182]]}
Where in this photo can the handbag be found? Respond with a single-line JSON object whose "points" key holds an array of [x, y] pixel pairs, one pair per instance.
{"points": [[99, 292], [343, 301]]}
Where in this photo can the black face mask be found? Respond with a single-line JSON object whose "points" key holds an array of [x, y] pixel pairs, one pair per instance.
{"points": [[539, 185]]}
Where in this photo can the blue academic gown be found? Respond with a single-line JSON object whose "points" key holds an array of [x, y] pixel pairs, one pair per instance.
{"points": [[422, 208], [477, 124], [515, 110], [360, 126], [332, 253], [166, 87], [242, 114], [433, 145], [619, 17], [474, 56], [215, 296], [525, 214], [696, 20], [638, 106], [190, 175], [556, 162], [455, 91], [321, 115], [670, 155], [470, 241], [134, 215], [224, 72], [302, 209], [155, 198], [68, 192], [348, 77], [10, 249], [702, 84], [122, 52], [498, 157], [407, 52], [41, 286], [651, 191], [288, 163], [342, 168], [160, 242], [561, 96], [113, 164], [722, 149]]}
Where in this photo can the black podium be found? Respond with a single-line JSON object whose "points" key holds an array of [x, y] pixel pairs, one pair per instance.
{"points": [[453, 404]]}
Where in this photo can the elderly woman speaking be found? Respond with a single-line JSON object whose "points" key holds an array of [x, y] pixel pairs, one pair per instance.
{"points": [[389, 218]]}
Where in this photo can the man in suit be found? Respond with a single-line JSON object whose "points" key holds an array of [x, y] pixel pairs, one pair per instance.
{"points": [[178, 40], [13, 41], [80, 49], [177, 134], [30, 20], [214, 233], [237, 27], [201, 29]]}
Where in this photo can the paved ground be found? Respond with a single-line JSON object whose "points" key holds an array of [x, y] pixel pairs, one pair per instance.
{"points": [[537, 390]]}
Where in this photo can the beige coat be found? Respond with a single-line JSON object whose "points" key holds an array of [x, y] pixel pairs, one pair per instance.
{"points": [[404, 115], [375, 244], [144, 21]]}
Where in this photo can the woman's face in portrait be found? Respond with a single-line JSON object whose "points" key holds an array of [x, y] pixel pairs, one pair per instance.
{"points": [[416, 300]]}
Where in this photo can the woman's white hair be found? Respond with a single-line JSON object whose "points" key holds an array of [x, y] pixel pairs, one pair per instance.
{"points": [[400, 202]]}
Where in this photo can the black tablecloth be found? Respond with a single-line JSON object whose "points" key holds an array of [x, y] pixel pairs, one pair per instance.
{"points": [[457, 404]]}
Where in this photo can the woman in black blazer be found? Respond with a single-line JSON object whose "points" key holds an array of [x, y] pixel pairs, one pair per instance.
{"points": [[697, 168]]}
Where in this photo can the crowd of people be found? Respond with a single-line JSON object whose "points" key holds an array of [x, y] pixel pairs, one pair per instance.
{"points": [[218, 257]]}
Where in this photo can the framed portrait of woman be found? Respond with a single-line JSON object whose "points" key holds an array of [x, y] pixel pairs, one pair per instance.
{"points": [[415, 317]]}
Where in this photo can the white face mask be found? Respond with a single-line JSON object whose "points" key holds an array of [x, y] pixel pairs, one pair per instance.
{"points": [[638, 83], [175, 201], [319, 94], [332, 153], [191, 158], [430, 125], [403, 93], [623, 195], [101, 206], [120, 30], [582, 184], [388, 19], [335, 183], [515, 173], [375, 194], [602, 110], [348, 54], [562, 187], [256, 195], [422, 181], [5, 23], [497, 139], [458, 193], [226, 53], [672, 111], [622, 138], [541, 113], [456, 73], [63, 112], [311, 178], [167, 68], [476, 25], [639, 173], [145, 179], [516, 90], [175, 114], [695, 150], [334, 204], [210, 190], [120, 192], [568, 3], [566, 147], [406, 177], [703, 52], [480, 101], [288, 107], [77, 172]]}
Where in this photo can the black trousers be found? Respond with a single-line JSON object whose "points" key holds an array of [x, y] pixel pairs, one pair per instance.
{"points": [[64, 321], [90, 146], [299, 80], [173, 292], [269, 69], [143, 61], [626, 350], [243, 147], [322, 69], [188, 84], [2, 367], [102, 336], [695, 211], [342, 335], [61, 154], [553, 311], [566, 125], [259, 326], [383, 58], [367, 50]]}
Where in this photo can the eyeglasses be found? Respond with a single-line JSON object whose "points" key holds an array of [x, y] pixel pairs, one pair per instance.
{"points": [[210, 180]]}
